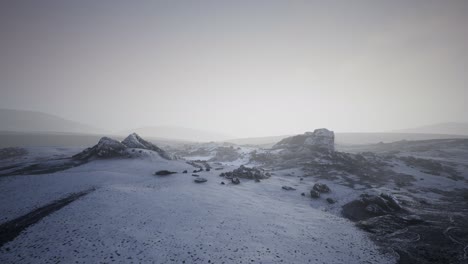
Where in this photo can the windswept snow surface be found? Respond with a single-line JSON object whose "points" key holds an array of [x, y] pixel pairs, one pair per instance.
{"points": [[136, 217]]}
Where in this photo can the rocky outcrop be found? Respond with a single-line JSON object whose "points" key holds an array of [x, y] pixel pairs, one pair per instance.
{"points": [[135, 141], [321, 139], [105, 148], [111, 148], [371, 206], [246, 173]]}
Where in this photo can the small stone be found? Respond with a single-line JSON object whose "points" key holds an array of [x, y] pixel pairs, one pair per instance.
{"points": [[200, 180]]}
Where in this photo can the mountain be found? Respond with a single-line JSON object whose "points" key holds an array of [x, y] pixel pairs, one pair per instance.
{"points": [[30, 121], [450, 128], [178, 133]]}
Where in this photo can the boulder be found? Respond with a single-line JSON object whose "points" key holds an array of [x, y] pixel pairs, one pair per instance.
{"points": [[330, 200], [200, 180], [235, 180], [321, 188], [288, 188], [164, 172], [368, 206]]}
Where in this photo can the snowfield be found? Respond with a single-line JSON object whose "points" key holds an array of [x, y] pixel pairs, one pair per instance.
{"points": [[136, 217]]}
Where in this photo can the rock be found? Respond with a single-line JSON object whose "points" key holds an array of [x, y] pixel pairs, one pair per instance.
{"points": [[322, 188], [235, 180], [105, 148], [314, 194], [135, 141], [185, 171], [195, 175], [257, 180], [368, 206], [222, 183], [301, 179], [288, 188], [246, 173], [111, 148], [303, 194], [200, 180], [330, 200], [164, 173], [321, 139]]}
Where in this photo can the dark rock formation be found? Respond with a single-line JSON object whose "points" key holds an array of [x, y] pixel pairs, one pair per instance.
{"points": [[246, 173], [200, 180], [105, 148], [164, 173], [370, 206], [321, 188], [314, 194], [235, 180]]}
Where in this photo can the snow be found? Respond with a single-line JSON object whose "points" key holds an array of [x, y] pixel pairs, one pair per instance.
{"points": [[134, 216]]}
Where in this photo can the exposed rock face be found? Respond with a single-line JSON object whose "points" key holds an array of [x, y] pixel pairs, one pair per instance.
{"points": [[371, 206], [111, 148], [135, 141], [320, 139], [246, 173], [105, 148]]}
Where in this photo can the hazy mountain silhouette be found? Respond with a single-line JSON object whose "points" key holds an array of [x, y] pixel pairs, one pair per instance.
{"points": [[30, 121], [178, 133], [449, 128]]}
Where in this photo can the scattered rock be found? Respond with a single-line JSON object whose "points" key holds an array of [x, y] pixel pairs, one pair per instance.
{"points": [[257, 180], [235, 180], [200, 180], [222, 183], [322, 188], [185, 171], [314, 194], [330, 200], [164, 173], [303, 194], [288, 188], [195, 175], [246, 173]]}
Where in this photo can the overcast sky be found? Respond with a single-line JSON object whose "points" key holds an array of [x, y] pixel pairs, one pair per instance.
{"points": [[245, 68]]}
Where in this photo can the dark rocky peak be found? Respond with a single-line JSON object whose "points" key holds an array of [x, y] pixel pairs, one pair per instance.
{"points": [[105, 148]]}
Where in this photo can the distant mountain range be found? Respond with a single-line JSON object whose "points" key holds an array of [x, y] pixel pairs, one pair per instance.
{"points": [[30, 121], [450, 128], [178, 133]]}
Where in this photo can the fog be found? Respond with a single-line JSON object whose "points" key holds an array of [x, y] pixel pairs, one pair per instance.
{"points": [[243, 68]]}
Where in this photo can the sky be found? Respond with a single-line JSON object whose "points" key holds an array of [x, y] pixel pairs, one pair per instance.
{"points": [[243, 68]]}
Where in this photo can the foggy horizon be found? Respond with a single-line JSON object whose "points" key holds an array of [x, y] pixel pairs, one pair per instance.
{"points": [[244, 68]]}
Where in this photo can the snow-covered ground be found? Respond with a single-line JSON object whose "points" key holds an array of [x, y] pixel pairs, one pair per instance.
{"points": [[136, 217]]}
